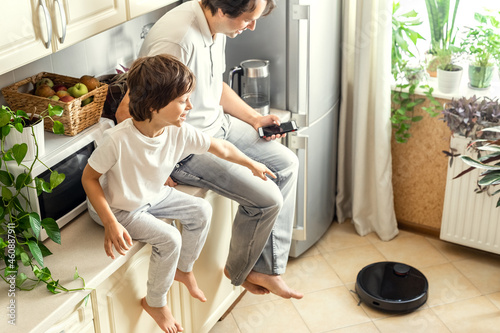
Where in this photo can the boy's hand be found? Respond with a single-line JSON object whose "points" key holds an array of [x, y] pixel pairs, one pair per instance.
{"points": [[260, 170], [116, 235]]}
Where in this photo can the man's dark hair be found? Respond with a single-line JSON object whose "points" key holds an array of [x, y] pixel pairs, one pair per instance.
{"points": [[155, 81], [234, 8]]}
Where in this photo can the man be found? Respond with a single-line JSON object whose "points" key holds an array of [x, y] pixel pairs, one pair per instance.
{"points": [[195, 32]]}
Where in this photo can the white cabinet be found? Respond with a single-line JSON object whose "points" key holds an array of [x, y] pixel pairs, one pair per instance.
{"points": [[80, 320], [116, 301], [35, 28], [24, 38], [140, 7], [76, 20]]}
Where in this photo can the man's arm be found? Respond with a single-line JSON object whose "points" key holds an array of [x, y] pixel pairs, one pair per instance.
{"points": [[122, 111], [227, 151], [236, 107]]}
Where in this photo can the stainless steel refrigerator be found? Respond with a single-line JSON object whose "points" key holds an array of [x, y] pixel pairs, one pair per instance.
{"points": [[301, 39]]}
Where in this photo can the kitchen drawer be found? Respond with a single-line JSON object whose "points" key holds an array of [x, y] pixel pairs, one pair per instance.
{"points": [[80, 320]]}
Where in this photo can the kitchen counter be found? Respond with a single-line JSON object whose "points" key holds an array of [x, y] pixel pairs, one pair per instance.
{"points": [[82, 247]]}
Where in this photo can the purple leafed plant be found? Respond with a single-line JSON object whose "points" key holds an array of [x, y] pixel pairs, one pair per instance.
{"points": [[468, 116]]}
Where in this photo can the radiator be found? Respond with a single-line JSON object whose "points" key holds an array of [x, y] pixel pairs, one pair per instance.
{"points": [[469, 218]]}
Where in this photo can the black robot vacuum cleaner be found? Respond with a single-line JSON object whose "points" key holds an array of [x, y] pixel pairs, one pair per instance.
{"points": [[392, 287]]}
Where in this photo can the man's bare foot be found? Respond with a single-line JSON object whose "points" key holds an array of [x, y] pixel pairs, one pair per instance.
{"points": [[190, 282], [163, 317], [273, 283], [253, 288]]}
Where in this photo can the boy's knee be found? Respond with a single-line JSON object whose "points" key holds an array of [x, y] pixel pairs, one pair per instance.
{"points": [[204, 211]]}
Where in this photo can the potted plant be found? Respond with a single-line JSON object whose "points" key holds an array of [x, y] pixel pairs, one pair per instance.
{"points": [[442, 30], [482, 44], [469, 116], [407, 71], [487, 162], [449, 75], [20, 226]]}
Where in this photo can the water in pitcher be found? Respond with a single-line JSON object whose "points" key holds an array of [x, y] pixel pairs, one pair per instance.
{"points": [[256, 100]]}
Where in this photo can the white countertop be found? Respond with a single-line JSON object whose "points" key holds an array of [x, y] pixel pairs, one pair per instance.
{"points": [[82, 247]]}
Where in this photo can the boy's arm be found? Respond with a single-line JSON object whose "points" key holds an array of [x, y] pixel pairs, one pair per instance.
{"points": [[227, 151], [114, 233]]}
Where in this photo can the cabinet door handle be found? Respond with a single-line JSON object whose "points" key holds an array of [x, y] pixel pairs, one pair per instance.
{"points": [[48, 23], [62, 14]]}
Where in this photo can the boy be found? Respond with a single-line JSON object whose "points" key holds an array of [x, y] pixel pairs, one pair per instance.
{"points": [[136, 157]]}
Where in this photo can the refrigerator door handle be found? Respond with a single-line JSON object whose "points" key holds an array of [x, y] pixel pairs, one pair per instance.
{"points": [[300, 57], [299, 142]]}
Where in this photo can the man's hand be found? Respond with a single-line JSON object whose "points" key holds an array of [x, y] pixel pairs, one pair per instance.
{"points": [[269, 120]]}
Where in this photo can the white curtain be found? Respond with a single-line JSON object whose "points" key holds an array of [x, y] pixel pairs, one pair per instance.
{"points": [[364, 182]]}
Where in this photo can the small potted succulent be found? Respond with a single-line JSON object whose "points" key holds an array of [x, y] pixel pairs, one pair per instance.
{"points": [[449, 75], [21, 251]]}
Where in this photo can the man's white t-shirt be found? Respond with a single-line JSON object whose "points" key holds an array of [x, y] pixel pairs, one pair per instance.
{"points": [[136, 167], [184, 33]]}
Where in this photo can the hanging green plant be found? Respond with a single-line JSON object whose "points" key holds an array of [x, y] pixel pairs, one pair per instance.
{"points": [[20, 225]]}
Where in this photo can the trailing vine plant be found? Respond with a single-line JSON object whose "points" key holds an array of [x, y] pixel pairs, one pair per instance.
{"points": [[20, 225]]}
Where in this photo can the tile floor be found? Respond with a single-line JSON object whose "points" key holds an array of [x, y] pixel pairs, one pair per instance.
{"points": [[464, 289]]}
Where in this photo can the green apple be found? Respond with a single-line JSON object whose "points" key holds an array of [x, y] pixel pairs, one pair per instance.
{"points": [[79, 89], [54, 97], [71, 91], [45, 81], [87, 100]]}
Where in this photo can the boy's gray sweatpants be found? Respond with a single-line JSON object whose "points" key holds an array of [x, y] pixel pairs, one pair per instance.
{"points": [[170, 249]]}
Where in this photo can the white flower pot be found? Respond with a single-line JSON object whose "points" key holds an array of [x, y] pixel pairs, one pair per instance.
{"points": [[448, 81], [26, 136]]}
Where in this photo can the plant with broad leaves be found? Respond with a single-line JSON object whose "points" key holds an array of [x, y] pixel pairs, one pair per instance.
{"points": [[20, 225], [489, 163]]}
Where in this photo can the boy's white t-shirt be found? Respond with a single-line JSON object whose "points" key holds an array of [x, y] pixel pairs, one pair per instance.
{"points": [[135, 167]]}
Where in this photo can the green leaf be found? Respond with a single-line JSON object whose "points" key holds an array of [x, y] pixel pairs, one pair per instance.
{"points": [[35, 251], [52, 229], [51, 286], [25, 259], [6, 178], [18, 126], [4, 118], [22, 180], [56, 178], [6, 194], [35, 223], [10, 271], [42, 186], [477, 164], [19, 152], [45, 251], [490, 179], [21, 278], [55, 110], [58, 127]]}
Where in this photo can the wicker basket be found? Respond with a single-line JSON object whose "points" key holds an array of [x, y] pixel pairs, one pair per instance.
{"points": [[75, 118]]}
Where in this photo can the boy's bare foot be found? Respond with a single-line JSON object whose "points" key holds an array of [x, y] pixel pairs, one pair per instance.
{"points": [[163, 317], [273, 283], [253, 288], [189, 281]]}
